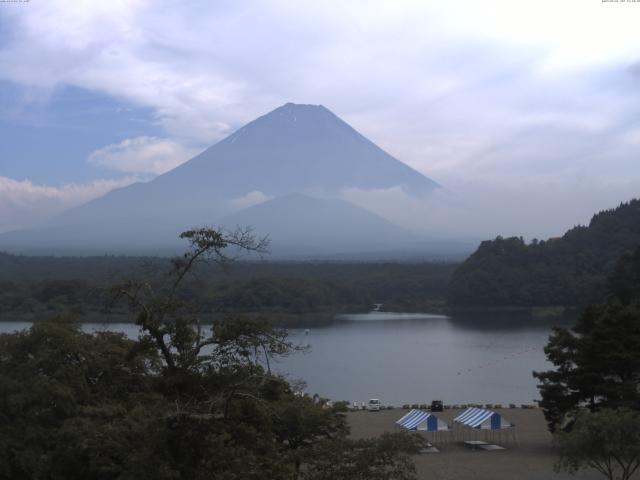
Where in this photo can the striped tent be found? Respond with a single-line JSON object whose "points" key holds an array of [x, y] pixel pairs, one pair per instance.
{"points": [[423, 421], [482, 419]]}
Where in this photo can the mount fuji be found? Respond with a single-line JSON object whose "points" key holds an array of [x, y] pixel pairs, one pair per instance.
{"points": [[282, 173]]}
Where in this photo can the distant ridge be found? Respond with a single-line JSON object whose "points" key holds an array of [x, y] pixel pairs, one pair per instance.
{"points": [[295, 149], [302, 224]]}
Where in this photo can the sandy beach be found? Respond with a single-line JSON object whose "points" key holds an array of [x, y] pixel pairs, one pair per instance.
{"points": [[532, 459]]}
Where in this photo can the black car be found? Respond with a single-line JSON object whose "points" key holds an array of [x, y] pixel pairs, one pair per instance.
{"points": [[436, 406]]}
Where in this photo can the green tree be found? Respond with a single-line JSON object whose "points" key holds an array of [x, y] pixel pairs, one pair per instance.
{"points": [[598, 360], [183, 401], [64, 393], [161, 306], [607, 441], [383, 458], [570, 271]]}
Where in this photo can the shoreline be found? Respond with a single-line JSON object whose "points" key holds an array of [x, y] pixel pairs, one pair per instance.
{"points": [[506, 406], [293, 320]]}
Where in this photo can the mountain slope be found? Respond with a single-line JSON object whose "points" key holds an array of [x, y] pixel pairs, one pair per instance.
{"points": [[571, 270], [295, 148], [302, 145], [306, 225]]}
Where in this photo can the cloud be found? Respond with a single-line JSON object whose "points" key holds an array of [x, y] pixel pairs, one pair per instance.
{"points": [[631, 137], [127, 49], [485, 208], [511, 95], [252, 198], [205, 68], [142, 155], [24, 204], [591, 123]]}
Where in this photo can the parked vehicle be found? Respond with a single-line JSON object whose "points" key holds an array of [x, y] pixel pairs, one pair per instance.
{"points": [[373, 405], [436, 406]]}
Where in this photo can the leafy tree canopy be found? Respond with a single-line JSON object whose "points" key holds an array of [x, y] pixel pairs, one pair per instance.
{"points": [[607, 441], [597, 362], [180, 402]]}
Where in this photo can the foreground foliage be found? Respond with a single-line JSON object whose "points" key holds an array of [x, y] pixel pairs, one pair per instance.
{"points": [[607, 441], [180, 402], [597, 362]]}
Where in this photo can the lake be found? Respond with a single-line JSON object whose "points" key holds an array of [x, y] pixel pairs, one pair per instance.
{"points": [[411, 358]]}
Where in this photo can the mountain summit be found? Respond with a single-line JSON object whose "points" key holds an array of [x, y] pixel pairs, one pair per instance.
{"points": [[295, 149], [298, 148]]}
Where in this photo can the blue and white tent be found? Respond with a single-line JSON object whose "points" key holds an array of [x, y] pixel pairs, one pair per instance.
{"points": [[482, 419], [423, 421]]}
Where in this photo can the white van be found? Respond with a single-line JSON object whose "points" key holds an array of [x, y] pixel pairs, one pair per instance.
{"points": [[373, 405]]}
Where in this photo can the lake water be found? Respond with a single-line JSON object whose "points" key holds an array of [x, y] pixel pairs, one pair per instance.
{"points": [[411, 358]]}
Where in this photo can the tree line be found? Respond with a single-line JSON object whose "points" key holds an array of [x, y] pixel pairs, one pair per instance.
{"points": [[568, 271], [591, 398], [183, 401], [39, 287]]}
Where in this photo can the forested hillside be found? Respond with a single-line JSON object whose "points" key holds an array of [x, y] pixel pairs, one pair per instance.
{"points": [[569, 271], [33, 288]]}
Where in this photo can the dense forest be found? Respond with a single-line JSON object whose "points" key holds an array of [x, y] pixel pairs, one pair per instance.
{"points": [[597, 360], [569, 271], [180, 402], [34, 288], [566, 271]]}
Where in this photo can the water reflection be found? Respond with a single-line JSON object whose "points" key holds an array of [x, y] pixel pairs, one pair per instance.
{"points": [[413, 358], [377, 316]]}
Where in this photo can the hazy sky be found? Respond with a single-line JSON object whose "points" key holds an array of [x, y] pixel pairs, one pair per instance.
{"points": [[528, 111]]}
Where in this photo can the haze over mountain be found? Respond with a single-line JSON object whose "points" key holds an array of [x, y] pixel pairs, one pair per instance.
{"points": [[295, 149], [300, 225]]}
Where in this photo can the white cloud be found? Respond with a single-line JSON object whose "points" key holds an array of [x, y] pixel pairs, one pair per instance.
{"points": [[207, 67], [129, 49], [631, 137], [589, 123], [496, 92], [24, 204], [142, 155], [251, 198], [540, 207]]}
